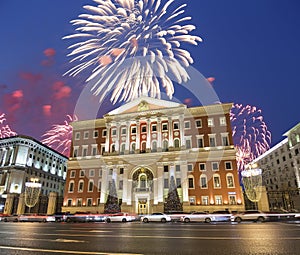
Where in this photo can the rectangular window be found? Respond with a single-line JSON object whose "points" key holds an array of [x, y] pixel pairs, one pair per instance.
{"points": [[166, 183], [79, 201], [210, 122], [190, 167], [71, 187], [80, 186], [89, 201], [217, 183], [228, 165], [72, 174], [178, 182], [95, 134], [204, 200], [92, 172], [121, 170], [77, 136], [222, 121], [154, 128], [144, 129], [100, 173], [91, 186], [175, 125], [69, 203], [225, 141], [198, 123], [200, 142], [113, 131], [99, 186], [191, 183], [188, 143], [212, 141], [84, 153], [177, 167], [133, 130], [215, 166], [187, 124], [164, 126], [166, 169], [104, 132], [218, 200], [232, 200], [230, 181], [203, 181], [94, 151], [121, 185], [86, 134], [82, 173], [75, 153], [123, 131], [202, 166], [192, 200]]}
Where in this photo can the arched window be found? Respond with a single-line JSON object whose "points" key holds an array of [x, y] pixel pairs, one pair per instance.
{"points": [[165, 145], [142, 181], [80, 186], [230, 180], [176, 143], [113, 147], [143, 147], [203, 181], [123, 148], [71, 186], [154, 146], [132, 147]]}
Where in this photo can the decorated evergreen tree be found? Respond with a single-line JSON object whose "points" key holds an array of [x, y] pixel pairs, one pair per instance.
{"points": [[112, 203], [173, 202]]}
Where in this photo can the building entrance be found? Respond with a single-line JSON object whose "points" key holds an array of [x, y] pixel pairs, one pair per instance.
{"points": [[142, 207]]}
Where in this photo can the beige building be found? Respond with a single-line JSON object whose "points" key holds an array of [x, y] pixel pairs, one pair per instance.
{"points": [[140, 145]]}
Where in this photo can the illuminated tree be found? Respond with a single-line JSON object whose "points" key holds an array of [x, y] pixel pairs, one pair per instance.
{"points": [[173, 201], [112, 202]]}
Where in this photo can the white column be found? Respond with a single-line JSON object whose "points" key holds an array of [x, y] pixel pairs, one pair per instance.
{"points": [[171, 143], [184, 183], [159, 134], [125, 185], [148, 143], [104, 185], [155, 191], [137, 147], [107, 137], [127, 146], [160, 184], [117, 142], [129, 192], [181, 128]]}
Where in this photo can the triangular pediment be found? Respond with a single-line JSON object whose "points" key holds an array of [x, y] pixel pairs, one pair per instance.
{"points": [[144, 104]]}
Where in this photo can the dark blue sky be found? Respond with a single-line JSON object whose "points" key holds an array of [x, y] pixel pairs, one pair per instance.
{"points": [[250, 47]]}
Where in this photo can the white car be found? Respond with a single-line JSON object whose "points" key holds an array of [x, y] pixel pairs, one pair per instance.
{"points": [[120, 217], [251, 215], [196, 217], [36, 218], [156, 217]]}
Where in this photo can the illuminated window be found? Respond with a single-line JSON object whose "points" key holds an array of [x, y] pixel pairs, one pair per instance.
{"points": [[79, 202], [230, 181], [89, 201], [218, 200], [204, 200], [217, 181]]}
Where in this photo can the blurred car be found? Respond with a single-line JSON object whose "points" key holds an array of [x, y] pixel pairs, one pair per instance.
{"points": [[120, 217], [176, 215], [222, 215], [36, 218], [250, 215], [280, 215], [156, 217], [10, 218], [196, 217]]}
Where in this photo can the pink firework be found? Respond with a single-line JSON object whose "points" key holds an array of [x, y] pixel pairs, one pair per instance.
{"points": [[5, 130], [59, 137], [250, 133]]}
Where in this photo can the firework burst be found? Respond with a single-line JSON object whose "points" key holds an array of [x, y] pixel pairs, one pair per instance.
{"points": [[250, 133], [146, 33], [5, 130], [59, 137]]}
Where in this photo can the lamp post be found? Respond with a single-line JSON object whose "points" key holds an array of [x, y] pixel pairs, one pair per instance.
{"points": [[32, 192]]}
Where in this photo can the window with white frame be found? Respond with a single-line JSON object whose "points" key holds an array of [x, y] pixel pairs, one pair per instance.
{"points": [[217, 181], [133, 130], [215, 166], [113, 147], [175, 125], [79, 202], [144, 129], [190, 167], [80, 186], [133, 147], [104, 133], [94, 150], [100, 173], [223, 121], [72, 174], [178, 182], [198, 123], [95, 134], [123, 146], [176, 143], [121, 185], [82, 173], [154, 146], [165, 126], [203, 181], [204, 200], [225, 139], [187, 124], [113, 132], [177, 168], [230, 180], [232, 199], [99, 186], [200, 142], [228, 165], [123, 130], [218, 200], [91, 186], [77, 136], [92, 173], [154, 128], [188, 143], [191, 182], [192, 200], [75, 152], [84, 151], [210, 122], [89, 202], [212, 140], [202, 166], [166, 183], [86, 135], [71, 187]]}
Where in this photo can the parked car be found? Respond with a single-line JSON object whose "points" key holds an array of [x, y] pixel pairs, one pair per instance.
{"points": [[10, 218], [156, 217], [36, 218], [176, 216], [120, 217], [196, 217], [222, 215], [250, 215]]}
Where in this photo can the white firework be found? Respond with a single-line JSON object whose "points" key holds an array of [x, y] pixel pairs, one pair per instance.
{"points": [[146, 33], [5, 130]]}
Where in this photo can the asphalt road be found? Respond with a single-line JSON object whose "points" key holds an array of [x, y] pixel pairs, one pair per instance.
{"points": [[153, 238]]}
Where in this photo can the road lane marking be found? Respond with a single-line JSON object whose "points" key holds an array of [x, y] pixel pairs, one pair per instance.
{"points": [[48, 240], [65, 251]]}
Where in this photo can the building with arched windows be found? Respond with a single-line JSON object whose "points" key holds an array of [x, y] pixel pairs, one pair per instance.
{"points": [[140, 145]]}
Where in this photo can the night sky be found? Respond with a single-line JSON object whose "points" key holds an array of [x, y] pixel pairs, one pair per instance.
{"points": [[251, 48]]}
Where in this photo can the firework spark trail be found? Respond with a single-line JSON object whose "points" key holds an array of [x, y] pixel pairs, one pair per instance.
{"points": [[146, 32], [5, 130], [59, 137], [250, 133]]}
